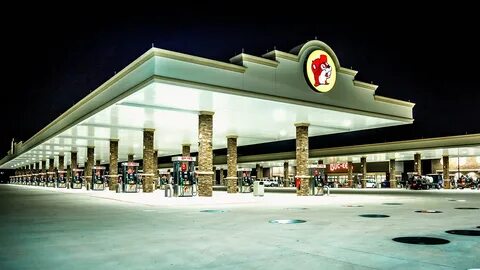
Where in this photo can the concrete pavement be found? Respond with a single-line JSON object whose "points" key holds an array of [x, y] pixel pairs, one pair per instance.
{"points": [[46, 228]]}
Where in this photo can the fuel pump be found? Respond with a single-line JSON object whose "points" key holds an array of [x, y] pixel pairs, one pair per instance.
{"points": [[164, 177], [61, 179], [42, 179], [98, 179], [34, 179], [77, 178], [50, 181], [245, 181], [185, 183], [27, 179], [129, 177]]}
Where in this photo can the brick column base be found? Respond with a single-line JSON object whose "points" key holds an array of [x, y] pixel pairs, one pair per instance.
{"points": [[231, 184], [446, 184], [393, 183], [304, 185], [205, 184]]}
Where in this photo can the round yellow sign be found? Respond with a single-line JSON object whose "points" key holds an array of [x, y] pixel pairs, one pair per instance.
{"points": [[320, 71]]}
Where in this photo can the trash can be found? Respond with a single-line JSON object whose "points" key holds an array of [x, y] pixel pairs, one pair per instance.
{"points": [[258, 188], [168, 190]]}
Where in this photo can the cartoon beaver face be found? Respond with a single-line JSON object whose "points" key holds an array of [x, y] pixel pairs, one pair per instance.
{"points": [[321, 70]]}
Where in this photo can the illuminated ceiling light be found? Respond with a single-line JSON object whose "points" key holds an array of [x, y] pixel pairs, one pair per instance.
{"points": [[279, 115]]}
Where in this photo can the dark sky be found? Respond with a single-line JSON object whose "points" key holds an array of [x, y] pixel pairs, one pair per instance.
{"points": [[432, 61]]}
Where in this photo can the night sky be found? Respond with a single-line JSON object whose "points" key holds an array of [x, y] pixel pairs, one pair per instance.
{"points": [[430, 61]]}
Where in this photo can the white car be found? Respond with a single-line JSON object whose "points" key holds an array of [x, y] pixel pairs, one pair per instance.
{"points": [[270, 183], [370, 184]]}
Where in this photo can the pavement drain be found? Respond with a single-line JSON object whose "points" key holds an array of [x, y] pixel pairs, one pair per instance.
{"points": [[212, 211], [353, 205], [464, 232], [392, 203], [297, 208], [419, 240], [374, 216], [428, 211], [287, 221], [467, 208]]}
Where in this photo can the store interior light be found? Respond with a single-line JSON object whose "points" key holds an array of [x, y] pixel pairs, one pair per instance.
{"points": [[462, 161]]}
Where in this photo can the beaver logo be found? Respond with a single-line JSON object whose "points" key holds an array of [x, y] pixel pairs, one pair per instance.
{"points": [[320, 71]]}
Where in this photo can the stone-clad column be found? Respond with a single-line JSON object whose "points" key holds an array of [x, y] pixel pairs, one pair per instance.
{"points": [[32, 171], [363, 164], [186, 150], [148, 167], [37, 168], [44, 167], [89, 166], [350, 174], [393, 180], [73, 166], [61, 163], [214, 178], [285, 174], [74, 161], [113, 174], [222, 179], [302, 159], [446, 172], [205, 154], [155, 169], [257, 169], [417, 163], [232, 164], [51, 165]]}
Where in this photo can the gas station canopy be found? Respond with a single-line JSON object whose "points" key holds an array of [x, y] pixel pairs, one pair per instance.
{"points": [[258, 99]]}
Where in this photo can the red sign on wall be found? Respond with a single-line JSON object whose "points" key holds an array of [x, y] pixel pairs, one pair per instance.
{"points": [[338, 167]]}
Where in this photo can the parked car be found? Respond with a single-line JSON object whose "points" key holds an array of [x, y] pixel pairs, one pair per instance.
{"points": [[270, 183], [371, 184]]}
